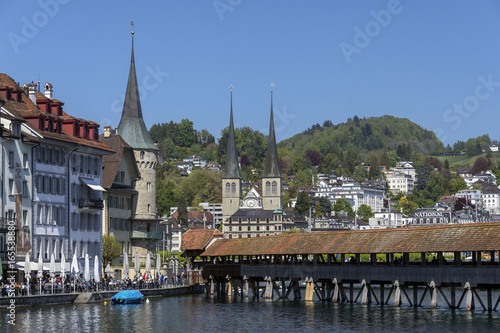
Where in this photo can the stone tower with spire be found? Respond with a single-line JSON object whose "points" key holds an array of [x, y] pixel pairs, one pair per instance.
{"points": [[133, 130], [231, 178], [271, 177]]}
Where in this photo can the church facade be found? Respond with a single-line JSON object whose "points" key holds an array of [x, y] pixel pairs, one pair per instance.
{"points": [[256, 214]]}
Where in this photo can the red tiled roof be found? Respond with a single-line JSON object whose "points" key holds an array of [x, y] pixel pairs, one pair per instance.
{"points": [[446, 238], [27, 109], [198, 239], [111, 163]]}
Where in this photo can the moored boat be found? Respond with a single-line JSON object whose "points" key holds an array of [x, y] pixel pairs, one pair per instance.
{"points": [[127, 297]]}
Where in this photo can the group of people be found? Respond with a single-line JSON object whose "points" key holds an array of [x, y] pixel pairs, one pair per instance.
{"points": [[70, 284]]}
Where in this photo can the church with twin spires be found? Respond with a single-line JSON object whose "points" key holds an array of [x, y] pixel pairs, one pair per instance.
{"points": [[256, 214]]}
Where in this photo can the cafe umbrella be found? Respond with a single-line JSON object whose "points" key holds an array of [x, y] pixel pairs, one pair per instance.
{"points": [[96, 271], [137, 266], [74, 269], [40, 270], [126, 269], [148, 267], [158, 265], [52, 270], [86, 273], [27, 270], [63, 269]]}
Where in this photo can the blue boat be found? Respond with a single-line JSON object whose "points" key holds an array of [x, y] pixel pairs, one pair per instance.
{"points": [[127, 297]]}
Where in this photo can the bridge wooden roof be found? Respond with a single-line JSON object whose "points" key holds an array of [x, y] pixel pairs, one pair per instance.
{"points": [[198, 239], [446, 238]]}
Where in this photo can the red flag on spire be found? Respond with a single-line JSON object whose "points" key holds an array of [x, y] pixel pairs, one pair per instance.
{"points": [[131, 22]]}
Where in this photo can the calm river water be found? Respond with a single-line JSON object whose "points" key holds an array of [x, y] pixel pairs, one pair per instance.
{"points": [[198, 313]]}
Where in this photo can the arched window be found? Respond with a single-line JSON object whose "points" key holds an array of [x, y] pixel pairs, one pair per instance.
{"points": [[228, 188], [233, 187], [142, 155], [275, 187], [268, 187]]}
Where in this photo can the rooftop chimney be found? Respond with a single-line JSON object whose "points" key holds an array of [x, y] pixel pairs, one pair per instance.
{"points": [[32, 91], [107, 131], [48, 90]]}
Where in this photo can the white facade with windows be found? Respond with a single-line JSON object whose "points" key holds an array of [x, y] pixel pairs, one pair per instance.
{"points": [[16, 179], [354, 193]]}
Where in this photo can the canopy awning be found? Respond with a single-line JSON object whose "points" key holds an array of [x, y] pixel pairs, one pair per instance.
{"points": [[92, 184], [34, 266]]}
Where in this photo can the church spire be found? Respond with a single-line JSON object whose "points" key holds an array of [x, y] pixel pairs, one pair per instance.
{"points": [[272, 166], [132, 127], [232, 169]]}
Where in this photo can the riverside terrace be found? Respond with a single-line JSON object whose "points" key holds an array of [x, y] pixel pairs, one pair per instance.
{"points": [[428, 260]]}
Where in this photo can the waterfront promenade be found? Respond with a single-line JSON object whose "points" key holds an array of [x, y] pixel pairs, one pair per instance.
{"points": [[151, 290]]}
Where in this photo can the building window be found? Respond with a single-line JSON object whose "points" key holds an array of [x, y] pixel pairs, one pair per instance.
{"points": [[11, 159], [25, 188], [233, 187], [248, 228], [11, 186], [268, 187], [275, 187], [228, 188], [82, 164], [148, 186], [142, 155], [25, 161]]}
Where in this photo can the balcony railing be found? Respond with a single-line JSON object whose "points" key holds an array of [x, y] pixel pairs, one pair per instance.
{"points": [[146, 235], [90, 203]]}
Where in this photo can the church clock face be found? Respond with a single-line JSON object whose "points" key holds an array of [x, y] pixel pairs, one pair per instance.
{"points": [[251, 203]]}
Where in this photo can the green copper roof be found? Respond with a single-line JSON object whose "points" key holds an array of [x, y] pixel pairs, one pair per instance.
{"points": [[272, 166], [132, 127], [232, 169]]}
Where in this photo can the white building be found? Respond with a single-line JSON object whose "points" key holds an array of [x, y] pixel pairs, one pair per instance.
{"points": [[487, 177], [386, 220], [65, 195], [197, 161], [17, 141], [354, 193], [402, 178]]}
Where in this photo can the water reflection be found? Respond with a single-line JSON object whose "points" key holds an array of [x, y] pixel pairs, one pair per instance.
{"points": [[198, 313]]}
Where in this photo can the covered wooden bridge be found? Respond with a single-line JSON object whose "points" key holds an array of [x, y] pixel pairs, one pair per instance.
{"points": [[416, 263]]}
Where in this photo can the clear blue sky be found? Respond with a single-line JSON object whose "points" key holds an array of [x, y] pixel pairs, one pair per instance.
{"points": [[328, 59]]}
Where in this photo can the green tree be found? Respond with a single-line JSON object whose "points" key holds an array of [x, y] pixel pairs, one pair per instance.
{"points": [[435, 187], [317, 210], [407, 206], [456, 185], [302, 204], [186, 135], [343, 205], [365, 212], [325, 205], [111, 249]]}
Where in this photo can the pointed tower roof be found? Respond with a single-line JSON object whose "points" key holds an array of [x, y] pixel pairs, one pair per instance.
{"points": [[272, 167], [232, 169], [132, 127]]}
